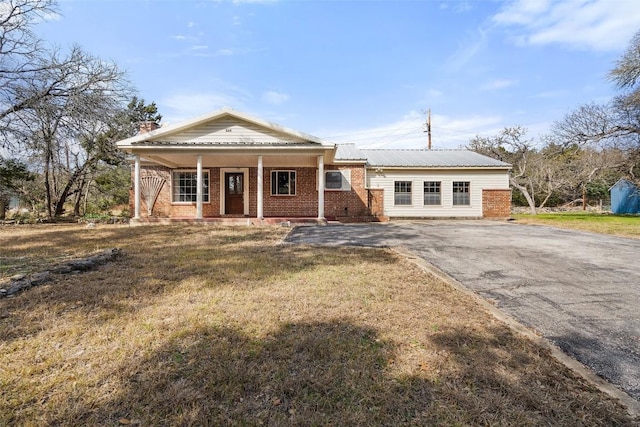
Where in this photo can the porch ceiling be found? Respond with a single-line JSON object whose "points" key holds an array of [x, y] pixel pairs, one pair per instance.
{"points": [[232, 160]]}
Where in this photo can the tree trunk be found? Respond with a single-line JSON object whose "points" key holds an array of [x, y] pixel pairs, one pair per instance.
{"points": [[544, 202], [47, 186], [3, 207], [67, 188], [76, 207], [522, 189]]}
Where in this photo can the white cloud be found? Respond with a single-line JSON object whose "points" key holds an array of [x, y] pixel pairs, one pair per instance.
{"points": [[409, 132], [497, 84], [458, 6], [434, 93], [550, 94], [601, 25], [191, 24], [179, 107], [254, 1], [462, 6], [224, 52], [275, 98], [467, 52], [199, 47]]}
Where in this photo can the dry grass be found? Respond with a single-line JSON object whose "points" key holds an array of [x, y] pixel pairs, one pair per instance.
{"points": [[217, 326]]}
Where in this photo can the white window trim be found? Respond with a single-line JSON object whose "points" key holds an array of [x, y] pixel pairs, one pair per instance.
{"points": [[245, 181], [271, 182], [410, 192], [345, 185], [461, 206], [195, 171], [438, 193]]}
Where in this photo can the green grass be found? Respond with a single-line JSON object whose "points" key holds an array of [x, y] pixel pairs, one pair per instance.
{"points": [[617, 225]]}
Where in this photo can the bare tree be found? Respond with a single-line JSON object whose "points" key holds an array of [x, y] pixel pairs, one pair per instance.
{"points": [[616, 123], [63, 128], [22, 54], [511, 146]]}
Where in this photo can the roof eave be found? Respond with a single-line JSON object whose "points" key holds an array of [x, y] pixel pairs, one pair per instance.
{"points": [[369, 166], [170, 130]]}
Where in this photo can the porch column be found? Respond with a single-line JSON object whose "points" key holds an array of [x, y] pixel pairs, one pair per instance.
{"points": [[136, 187], [199, 188], [321, 187], [260, 185]]}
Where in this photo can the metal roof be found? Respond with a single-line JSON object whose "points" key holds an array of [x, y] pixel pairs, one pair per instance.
{"points": [[349, 152], [417, 158], [224, 143], [158, 134]]}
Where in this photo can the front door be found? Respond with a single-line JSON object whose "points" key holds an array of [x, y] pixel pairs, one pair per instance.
{"points": [[234, 193]]}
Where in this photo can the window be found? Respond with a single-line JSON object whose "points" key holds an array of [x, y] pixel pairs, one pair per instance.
{"points": [[283, 183], [185, 186], [337, 180], [461, 193], [432, 193], [402, 192]]}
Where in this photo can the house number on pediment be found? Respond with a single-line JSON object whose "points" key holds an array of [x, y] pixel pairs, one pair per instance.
{"points": [[228, 129]]}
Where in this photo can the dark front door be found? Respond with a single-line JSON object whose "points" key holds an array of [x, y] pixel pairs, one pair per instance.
{"points": [[234, 193]]}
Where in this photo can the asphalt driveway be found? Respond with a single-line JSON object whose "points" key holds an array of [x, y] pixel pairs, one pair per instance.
{"points": [[579, 290]]}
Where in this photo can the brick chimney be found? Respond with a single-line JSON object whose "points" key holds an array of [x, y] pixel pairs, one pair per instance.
{"points": [[148, 126]]}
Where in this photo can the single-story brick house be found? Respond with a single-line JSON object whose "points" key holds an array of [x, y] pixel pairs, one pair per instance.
{"points": [[229, 164]]}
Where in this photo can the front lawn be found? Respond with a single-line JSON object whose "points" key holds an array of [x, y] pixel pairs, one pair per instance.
{"points": [[202, 325], [617, 225]]}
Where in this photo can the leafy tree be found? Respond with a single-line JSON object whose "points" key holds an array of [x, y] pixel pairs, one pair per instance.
{"points": [[110, 181]]}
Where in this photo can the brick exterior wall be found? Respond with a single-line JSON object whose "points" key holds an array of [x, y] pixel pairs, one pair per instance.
{"points": [[347, 205], [496, 203], [356, 204], [352, 205], [303, 204], [376, 201]]}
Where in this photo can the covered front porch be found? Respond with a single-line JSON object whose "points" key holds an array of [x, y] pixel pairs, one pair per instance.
{"points": [[216, 185]]}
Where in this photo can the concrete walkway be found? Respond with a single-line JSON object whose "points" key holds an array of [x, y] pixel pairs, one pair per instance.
{"points": [[579, 290]]}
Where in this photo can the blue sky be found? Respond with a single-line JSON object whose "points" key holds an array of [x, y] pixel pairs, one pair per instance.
{"points": [[361, 71]]}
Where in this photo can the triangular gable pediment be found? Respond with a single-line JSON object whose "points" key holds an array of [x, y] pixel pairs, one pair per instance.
{"points": [[224, 127], [231, 130]]}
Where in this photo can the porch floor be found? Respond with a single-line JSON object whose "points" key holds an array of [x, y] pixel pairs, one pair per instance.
{"points": [[286, 221]]}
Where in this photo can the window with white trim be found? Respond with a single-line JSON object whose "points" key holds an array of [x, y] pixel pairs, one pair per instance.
{"points": [[184, 185], [461, 193], [283, 183], [337, 180], [432, 193], [402, 192]]}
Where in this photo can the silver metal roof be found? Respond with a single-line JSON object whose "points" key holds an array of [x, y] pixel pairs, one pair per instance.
{"points": [[349, 152], [417, 158]]}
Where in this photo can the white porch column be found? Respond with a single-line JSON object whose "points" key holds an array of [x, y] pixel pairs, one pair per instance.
{"points": [[260, 185], [136, 188], [199, 188], [321, 187]]}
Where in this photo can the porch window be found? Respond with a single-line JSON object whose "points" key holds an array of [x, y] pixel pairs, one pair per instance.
{"points": [[283, 183], [432, 193], [337, 180], [402, 192], [461, 194], [185, 186]]}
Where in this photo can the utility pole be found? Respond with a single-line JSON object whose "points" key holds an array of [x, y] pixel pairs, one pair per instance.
{"points": [[428, 129]]}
